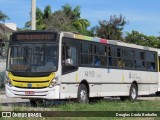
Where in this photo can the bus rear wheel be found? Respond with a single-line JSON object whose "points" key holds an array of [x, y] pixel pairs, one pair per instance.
{"points": [[133, 92], [82, 96]]}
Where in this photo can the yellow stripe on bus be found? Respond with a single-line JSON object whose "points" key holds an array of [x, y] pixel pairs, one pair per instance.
{"points": [[31, 81], [12, 77], [35, 85]]}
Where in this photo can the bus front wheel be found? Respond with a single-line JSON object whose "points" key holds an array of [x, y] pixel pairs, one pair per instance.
{"points": [[36, 102], [82, 96]]}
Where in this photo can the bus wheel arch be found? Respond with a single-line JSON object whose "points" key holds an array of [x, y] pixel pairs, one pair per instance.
{"points": [[83, 92], [133, 92]]}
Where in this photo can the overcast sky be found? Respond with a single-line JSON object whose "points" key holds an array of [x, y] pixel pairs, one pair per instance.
{"points": [[142, 15]]}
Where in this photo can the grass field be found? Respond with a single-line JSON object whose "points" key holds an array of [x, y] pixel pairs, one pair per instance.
{"points": [[104, 105]]}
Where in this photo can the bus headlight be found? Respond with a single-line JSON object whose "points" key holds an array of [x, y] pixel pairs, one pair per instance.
{"points": [[53, 82], [8, 81]]}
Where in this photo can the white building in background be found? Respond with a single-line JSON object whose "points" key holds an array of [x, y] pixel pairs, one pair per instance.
{"points": [[12, 26], [5, 30]]}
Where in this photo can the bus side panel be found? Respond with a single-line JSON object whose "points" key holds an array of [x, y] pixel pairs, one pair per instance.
{"points": [[69, 85], [159, 82], [149, 82], [115, 89], [111, 75], [113, 83], [95, 90], [143, 89], [153, 89], [93, 77]]}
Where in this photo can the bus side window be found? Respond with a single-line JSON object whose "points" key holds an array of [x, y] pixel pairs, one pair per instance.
{"points": [[69, 59], [71, 56]]}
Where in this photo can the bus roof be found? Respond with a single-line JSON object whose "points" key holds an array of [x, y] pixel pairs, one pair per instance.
{"points": [[94, 39], [105, 41]]}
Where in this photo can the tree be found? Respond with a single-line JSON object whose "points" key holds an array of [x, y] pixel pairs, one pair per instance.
{"points": [[41, 16], [74, 14], [140, 39], [80, 24], [3, 16], [68, 19], [59, 21], [111, 29]]}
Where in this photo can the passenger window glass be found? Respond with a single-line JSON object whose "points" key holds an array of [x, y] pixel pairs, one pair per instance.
{"points": [[137, 55], [86, 48], [150, 56], [142, 55], [140, 64], [71, 56], [128, 53], [74, 55], [87, 54], [118, 52], [113, 51], [100, 50]]}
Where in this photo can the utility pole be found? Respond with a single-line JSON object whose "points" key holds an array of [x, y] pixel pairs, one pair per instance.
{"points": [[33, 15]]}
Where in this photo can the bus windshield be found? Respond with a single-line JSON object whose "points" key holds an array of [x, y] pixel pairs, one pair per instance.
{"points": [[33, 57]]}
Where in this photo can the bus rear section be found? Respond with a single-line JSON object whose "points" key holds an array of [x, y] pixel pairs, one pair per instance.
{"points": [[158, 59], [123, 70]]}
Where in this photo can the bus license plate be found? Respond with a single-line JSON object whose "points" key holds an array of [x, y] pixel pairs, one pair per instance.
{"points": [[29, 92]]}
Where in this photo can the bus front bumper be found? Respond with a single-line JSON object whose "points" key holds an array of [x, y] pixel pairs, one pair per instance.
{"points": [[44, 93]]}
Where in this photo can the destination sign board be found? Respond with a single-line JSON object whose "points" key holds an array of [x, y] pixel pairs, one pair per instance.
{"points": [[34, 36]]}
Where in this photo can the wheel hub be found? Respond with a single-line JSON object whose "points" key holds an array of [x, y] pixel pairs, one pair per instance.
{"points": [[133, 94], [83, 95]]}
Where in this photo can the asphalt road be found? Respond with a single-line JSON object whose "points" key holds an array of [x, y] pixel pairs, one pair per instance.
{"points": [[4, 99]]}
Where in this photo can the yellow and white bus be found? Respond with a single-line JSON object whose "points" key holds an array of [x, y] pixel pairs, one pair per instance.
{"points": [[63, 65]]}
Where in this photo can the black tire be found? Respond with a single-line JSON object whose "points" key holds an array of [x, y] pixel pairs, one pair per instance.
{"points": [[157, 93], [133, 92], [96, 99], [33, 103], [36, 102], [123, 98], [82, 96]]}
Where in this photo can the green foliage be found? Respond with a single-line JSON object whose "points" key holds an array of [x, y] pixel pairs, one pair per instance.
{"points": [[68, 19], [140, 39], [105, 105], [3, 16], [74, 14], [110, 105], [112, 28], [59, 21], [41, 16]]}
